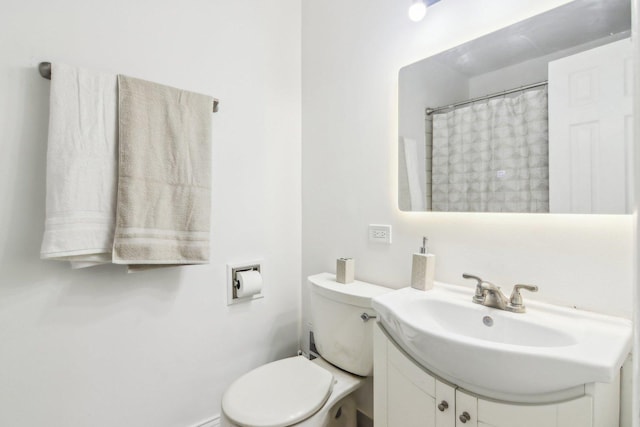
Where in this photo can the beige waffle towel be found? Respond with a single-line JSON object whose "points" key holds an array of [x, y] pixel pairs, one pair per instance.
{"points": [[164, 176]]}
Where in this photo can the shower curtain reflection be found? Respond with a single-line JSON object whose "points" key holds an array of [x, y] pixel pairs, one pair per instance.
{"points": [[492, 157]]}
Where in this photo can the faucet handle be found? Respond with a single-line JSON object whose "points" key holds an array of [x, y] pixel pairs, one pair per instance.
{"points": [[515, 301], [479, 296], [471, 276]]}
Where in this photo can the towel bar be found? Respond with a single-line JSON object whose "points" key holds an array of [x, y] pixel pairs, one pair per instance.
{"points": [[45, 71]]}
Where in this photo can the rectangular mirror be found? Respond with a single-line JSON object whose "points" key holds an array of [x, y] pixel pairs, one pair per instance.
{"points": [[535, 117]]}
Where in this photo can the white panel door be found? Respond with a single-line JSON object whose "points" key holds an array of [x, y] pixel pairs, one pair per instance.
{"points": [[590, 133]]}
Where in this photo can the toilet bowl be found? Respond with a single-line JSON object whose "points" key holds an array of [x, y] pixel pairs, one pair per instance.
{"points": [[319, 393], [292, 392]]}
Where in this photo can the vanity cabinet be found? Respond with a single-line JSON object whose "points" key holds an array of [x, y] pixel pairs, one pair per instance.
{"points": [[407, 395]]}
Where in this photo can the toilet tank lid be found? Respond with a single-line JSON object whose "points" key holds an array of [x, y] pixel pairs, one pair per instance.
{"points": [[355, 293], [278, 394]]}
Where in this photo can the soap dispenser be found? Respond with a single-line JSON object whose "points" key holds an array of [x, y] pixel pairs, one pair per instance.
{"points": [[423, 268]]}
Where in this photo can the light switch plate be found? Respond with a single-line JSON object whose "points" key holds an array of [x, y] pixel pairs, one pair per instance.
{"points": [[380, 233]]}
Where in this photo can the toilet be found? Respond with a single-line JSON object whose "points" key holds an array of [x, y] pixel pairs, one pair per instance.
{"points": [[298, 392]]}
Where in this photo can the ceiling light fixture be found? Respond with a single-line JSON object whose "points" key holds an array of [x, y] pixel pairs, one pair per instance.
{"points": [[418, 9]]}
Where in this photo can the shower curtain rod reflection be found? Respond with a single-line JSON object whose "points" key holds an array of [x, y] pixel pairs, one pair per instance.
{"points": [[45, 71], [429, 111]]}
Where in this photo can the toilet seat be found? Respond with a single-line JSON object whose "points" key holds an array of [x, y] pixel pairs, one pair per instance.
{"points": [[278, 394]]}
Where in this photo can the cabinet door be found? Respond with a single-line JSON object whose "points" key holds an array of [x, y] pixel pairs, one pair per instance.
{"points": [[576, 413], [496, 414], [466, 410], [445, 405], [408, 405], [380, 362], [410, 393], [572, 413]]}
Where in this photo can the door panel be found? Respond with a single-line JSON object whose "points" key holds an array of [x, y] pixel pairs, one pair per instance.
{"points": [[590, 106]]}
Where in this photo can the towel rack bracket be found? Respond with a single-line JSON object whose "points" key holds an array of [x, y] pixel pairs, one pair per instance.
{"points": [[45, 70]]}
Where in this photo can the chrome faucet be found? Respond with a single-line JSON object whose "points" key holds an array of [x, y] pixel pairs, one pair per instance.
{"points": [[490, 295]]}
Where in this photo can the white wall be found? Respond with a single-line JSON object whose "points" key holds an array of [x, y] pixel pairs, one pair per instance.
{"points": [[531, 71], [426, 84], [102, 348], [349, 158], [421, 85]]}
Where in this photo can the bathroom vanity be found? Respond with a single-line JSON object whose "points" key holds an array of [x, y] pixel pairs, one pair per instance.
{"points": [[442, 361], [406, 394]]}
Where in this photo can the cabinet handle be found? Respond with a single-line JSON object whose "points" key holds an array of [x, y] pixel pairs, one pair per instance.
{"points": [[464, 417], [442, 406]]}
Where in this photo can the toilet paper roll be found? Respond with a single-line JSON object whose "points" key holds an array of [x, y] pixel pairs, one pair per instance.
{"points": [[250, 283]]}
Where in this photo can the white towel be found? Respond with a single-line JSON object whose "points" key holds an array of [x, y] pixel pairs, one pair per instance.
{"points": [[164, 182], [81, 167]]}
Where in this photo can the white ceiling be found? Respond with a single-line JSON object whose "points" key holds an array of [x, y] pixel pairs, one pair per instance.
{"points": [[579, 22]]}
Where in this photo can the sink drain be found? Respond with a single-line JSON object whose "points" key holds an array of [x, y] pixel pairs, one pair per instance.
{"points": [[487, 320]]}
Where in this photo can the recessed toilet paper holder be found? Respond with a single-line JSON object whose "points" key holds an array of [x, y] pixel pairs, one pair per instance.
{"points": [[233, 284], [234, 273]]}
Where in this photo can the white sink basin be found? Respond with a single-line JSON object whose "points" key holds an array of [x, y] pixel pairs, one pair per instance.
{"points": [[548, 349]]}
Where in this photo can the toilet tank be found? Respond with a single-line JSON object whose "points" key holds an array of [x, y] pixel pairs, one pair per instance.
{"points": [[341, 336]]}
